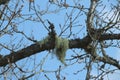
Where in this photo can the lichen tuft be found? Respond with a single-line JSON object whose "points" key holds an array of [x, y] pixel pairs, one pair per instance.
{"points": [[61, 46]]}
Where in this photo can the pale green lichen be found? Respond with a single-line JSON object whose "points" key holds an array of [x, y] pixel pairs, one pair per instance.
{"points": [[44, 41], [61, 46]]}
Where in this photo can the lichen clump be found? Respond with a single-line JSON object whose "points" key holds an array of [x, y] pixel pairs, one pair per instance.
{"points": [[61, 46], [44, 40]]}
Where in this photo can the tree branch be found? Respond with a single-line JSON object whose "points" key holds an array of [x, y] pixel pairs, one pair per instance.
{"points": [[35, 48], [90, 15], [4, 2], [110, 61]]}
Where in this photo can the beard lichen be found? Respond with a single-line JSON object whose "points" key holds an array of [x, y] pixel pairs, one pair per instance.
{"points": [[61, 46], [43, 41]]}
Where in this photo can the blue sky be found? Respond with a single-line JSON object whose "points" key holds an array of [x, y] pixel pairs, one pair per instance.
{"points": [[38, 32]]}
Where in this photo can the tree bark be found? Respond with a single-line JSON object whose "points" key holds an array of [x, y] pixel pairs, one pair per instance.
{"points": [[36, 48]]}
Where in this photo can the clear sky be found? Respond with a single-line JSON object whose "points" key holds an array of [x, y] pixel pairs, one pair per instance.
{"points": [[38, 32]]}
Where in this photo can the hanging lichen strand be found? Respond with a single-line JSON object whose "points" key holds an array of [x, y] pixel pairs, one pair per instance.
{"points": [[61, 46]]}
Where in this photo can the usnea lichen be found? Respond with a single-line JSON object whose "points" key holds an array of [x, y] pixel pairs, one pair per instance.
{"points": [[61, 46], [44, 41]]}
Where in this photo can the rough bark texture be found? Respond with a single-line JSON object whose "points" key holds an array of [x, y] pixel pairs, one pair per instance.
{"points": [[4, 2], [35, 48]]}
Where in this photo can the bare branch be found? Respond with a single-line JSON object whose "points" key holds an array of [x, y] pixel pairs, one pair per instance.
{"points": [[35, 48]]}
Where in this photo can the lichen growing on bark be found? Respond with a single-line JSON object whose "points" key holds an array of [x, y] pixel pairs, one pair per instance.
{"points": [[61, 46], [43, 41]]}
